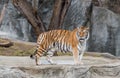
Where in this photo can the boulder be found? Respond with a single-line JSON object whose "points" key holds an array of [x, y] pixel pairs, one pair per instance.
{"points": [[105, 31]]}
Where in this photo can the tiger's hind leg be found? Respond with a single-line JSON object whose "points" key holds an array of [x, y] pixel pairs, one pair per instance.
{"points": [[35, 56], [36, 59], [50, 54]]}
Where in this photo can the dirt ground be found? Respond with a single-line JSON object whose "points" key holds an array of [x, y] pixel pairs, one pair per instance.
{"points": [[26, 61]]}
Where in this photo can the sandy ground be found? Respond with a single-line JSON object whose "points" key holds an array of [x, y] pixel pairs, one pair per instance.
{"points": [[15, 61]]}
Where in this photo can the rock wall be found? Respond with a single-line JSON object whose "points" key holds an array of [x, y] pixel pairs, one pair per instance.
{"points": [[45, 10], [77, 14], [104, 22], [14, 25], [105, 28]]}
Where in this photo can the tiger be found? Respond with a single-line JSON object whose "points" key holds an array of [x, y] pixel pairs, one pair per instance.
{"points": [[62, 40]]}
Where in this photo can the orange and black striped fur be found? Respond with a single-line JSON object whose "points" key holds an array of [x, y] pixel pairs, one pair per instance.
{"points": [[63, 40]]}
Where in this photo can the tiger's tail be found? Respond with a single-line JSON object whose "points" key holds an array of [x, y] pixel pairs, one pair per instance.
{"points": [[32, 56]]}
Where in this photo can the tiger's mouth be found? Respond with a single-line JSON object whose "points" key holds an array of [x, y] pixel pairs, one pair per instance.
{"points": [[82, 38]]}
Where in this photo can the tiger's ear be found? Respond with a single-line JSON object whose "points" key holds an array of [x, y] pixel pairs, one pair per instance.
{"points": [[78, 29]]}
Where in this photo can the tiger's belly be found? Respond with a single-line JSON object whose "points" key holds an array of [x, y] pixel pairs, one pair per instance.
{"points": [[62, 47]]}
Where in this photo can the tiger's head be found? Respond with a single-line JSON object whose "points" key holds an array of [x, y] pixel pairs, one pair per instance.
{"points": [[82, 33]]}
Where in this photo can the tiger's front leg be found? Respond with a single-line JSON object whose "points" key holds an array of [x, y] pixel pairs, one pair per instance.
{"points": [[80, 57], [77, 57], [81, 53]]}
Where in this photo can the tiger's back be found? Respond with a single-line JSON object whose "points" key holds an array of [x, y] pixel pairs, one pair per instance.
{"points": [[55, 38]]}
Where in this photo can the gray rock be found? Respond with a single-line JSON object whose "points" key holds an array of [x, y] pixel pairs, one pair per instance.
{"points": [[77, 14], [45, 10], [104, 31], [14, 25], [8, 72]]}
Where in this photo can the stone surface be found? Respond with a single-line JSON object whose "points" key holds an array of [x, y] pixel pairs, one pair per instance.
{"points": [[8, 72], [95, 66], [45, 10], [14, 23], [77, 14], [105, 31]]}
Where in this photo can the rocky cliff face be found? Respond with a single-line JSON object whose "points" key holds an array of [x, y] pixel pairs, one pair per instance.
{"points": [[104, 22]]}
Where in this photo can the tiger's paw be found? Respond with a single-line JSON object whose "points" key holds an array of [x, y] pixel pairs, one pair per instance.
{"points": [[53, 63], [79, 63], [37, 64]]}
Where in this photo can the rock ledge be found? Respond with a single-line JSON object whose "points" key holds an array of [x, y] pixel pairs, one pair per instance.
{"points": [[94, 67]]}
